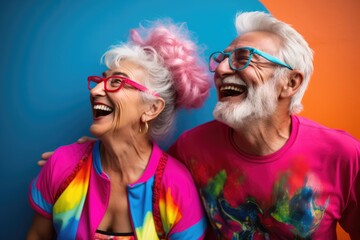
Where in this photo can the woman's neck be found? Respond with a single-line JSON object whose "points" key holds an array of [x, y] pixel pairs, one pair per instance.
{"points": [[125, 159]]}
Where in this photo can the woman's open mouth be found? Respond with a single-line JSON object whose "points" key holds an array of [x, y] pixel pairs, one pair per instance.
{"points": [[100, 110]]}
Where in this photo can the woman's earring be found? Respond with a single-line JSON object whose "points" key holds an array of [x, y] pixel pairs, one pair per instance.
{"points": [[146, 128]]}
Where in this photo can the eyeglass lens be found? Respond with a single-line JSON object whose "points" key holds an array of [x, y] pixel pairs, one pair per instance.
{"points": [[112, 84], [239, 59]]}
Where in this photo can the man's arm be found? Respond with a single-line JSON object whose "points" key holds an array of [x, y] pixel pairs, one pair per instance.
{"points": [[44, 157]]}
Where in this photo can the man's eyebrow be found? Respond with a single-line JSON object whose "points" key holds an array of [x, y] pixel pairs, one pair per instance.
{"points": [[257, 57]]}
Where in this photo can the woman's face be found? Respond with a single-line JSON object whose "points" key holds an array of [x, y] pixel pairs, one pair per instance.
{"points": [[118, 112]]}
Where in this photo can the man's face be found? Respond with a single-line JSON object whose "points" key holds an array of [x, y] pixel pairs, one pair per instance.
{"points": [[251, 93]]}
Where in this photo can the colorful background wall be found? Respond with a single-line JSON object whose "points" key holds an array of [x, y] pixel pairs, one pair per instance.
{"points": [[48, 48], [332, 30]]}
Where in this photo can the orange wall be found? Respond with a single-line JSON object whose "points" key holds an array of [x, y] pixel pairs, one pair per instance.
{"points": [[332, 29]]}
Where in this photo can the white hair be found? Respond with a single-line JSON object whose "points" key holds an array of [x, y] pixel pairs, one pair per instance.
{"points": [[159, 80], [175, 70], [295, 51]]}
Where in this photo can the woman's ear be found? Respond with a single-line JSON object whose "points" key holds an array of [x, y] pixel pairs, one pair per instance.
{"points": [[293, 84], [154, 109]]}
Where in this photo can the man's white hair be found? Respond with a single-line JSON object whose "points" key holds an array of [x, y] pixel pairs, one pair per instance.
{"points": [[294, 51]]}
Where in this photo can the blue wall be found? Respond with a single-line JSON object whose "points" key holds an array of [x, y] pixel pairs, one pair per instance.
{"points": [[47, 50]]}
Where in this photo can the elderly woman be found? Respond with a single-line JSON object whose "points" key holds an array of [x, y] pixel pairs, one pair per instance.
{"points": [[123, 186]]}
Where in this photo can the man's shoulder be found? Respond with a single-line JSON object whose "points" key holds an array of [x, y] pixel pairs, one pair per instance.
{"points": [[204, 134], [313, 128], [205, 129]]}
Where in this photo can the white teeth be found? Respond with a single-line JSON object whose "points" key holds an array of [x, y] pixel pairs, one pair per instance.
{"points": [[102, 107], [233, 88]]}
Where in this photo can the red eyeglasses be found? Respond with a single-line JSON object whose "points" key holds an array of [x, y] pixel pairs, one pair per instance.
{"points": [[115, 83]]}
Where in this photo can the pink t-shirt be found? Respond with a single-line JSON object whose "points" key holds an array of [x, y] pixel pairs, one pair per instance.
{"points": [[298, 192]]}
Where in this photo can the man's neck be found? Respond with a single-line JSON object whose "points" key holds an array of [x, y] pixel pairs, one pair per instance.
{"points": [[263, 137]]}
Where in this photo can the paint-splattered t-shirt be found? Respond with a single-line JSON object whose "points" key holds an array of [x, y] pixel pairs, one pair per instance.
{"points": [[298, 192]]}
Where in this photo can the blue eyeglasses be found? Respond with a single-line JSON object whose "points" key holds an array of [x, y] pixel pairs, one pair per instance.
{"points": [[240, 58]]}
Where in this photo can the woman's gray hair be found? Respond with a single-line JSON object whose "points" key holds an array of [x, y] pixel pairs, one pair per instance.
{"points": [[159, 81], [295, 51], [175, 70]]}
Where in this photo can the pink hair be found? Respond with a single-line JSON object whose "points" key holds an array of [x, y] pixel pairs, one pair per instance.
{"points": [[180, 57]]}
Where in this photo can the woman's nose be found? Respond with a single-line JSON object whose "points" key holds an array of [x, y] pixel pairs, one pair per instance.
{"points": [[99, 89]]}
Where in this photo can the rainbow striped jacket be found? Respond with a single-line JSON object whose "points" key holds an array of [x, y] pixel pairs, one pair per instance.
{"points": [[77, 210]]}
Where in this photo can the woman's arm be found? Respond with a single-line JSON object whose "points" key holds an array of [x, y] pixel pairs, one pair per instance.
{"points": [[41, 228]]}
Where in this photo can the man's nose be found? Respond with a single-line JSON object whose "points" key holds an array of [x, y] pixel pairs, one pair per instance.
{"points": [[224, 68]]}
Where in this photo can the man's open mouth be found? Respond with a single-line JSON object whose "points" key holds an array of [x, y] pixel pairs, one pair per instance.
{"points": [[231, 90]]}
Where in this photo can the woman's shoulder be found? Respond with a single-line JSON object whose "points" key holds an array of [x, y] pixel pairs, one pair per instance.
{"points": [[176, 173], [74, 150], [65, 159], [44, 188]]}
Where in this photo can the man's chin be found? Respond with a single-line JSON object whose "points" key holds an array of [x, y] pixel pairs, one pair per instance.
{"points": [[239, 115], [229, 115], [235, 124]]}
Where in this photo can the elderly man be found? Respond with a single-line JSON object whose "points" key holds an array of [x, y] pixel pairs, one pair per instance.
{"points": [[262, 171]]}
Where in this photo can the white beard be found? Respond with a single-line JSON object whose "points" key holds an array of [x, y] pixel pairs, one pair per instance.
{"points": [[260, 103]]}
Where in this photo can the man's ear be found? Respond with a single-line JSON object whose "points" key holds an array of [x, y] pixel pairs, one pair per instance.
{"points": [[292, 85], [154, 109]]}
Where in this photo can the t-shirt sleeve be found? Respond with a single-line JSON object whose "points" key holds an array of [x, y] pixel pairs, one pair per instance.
{"points": [[350, 219], [180, 205], [43, 189], [40, 195]]}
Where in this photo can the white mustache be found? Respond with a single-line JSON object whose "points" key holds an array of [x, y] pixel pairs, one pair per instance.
{"points": [[230, 79]]}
